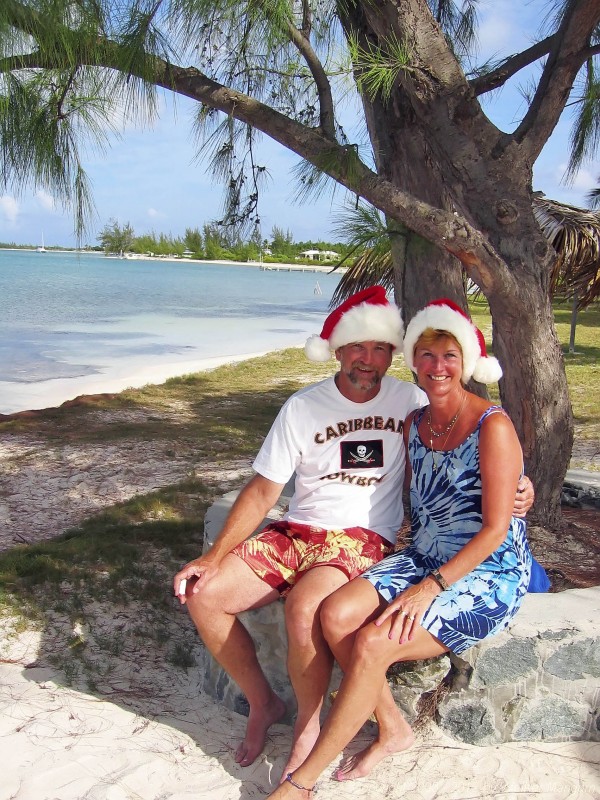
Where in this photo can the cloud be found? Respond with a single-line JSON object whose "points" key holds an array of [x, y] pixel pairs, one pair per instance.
{"points": [[45, 200], [494, 33], [154, 214], [9, 209], [585, 180], [506, 26]]}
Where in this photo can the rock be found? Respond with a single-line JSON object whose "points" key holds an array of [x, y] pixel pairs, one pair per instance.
{"points": [[540, 679]]}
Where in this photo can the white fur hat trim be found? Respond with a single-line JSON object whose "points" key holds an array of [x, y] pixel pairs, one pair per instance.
{"points": [[363, 317], [476, 364], [368, 323]]}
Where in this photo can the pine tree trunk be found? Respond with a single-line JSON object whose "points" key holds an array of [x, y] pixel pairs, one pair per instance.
{"points": [[431, 139], [534, 391]]}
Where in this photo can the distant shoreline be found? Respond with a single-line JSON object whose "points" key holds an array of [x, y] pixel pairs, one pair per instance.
{"points": [[274, 266], [58, 392]]}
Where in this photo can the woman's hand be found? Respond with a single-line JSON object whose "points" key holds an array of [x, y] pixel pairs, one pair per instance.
{"points": [[408, 609]]}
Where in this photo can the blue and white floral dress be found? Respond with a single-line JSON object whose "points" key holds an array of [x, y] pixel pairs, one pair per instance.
{"points": [[445, 514]]}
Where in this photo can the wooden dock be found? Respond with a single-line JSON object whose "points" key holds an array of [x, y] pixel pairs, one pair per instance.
{"points": [[295, 268]]}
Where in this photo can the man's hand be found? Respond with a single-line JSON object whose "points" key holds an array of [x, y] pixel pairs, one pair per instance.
{"points": [[524, 497], [194, 573]]}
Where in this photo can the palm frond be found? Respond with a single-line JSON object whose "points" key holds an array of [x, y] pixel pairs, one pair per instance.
{"points": [[575, 235], [370, 268]]}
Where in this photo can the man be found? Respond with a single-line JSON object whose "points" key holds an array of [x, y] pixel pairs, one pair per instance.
{"points": [[343, 439]]}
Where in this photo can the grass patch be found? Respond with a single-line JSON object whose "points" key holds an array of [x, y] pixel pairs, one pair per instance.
{"points": [[582, 366]]}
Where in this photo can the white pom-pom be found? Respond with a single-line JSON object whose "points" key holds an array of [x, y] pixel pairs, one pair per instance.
{"points": [[487, 370], [317, 349]]}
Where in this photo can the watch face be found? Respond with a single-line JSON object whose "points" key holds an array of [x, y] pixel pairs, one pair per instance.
{"points": [[366, 454]]}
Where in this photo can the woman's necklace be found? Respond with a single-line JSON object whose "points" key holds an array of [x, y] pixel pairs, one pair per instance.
{"points": [[447, 430]]}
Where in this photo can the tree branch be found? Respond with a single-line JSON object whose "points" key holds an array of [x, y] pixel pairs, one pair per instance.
{"points": [[326, 109], [564, 61], [515, 63], [306, 19], [447, 230], [590, 52]]}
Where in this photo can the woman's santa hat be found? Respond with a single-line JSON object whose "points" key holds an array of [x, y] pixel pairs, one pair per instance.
{"points": [[367, 316], [444, 315]]}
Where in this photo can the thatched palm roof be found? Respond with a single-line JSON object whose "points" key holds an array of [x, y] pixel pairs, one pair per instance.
{"points": [[575, 235], [573, 232]]}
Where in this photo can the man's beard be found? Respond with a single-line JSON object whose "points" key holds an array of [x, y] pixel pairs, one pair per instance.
{"points": [[356, 379]]}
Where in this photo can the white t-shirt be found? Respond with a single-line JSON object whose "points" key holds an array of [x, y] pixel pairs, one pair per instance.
{"points": [[348, 457]]}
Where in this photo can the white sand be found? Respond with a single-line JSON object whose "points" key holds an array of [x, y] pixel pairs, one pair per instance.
{"points": [[47, 394], [154, 735], [60, 744]]}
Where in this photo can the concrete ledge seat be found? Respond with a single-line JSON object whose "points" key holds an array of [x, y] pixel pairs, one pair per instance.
{"points": [[539, 680]]}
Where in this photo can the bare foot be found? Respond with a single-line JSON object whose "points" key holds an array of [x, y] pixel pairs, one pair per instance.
{"points": [[361, 764], [259, 722], [303, 742]]}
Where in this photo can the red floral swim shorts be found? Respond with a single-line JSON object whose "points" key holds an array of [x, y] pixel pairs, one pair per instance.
{"points": [[283, 551]]}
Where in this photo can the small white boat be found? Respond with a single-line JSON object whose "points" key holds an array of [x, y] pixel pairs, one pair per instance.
{"points": [[41, 248]]}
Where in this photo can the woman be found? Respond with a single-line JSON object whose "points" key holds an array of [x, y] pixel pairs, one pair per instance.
{"points": [[467, 570]]}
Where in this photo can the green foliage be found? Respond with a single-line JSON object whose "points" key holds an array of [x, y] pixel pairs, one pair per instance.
{"points": [[363, 226], [282, 243], [585, 134], [114, 238], [41, 123], [193, 240], [378, 67]]}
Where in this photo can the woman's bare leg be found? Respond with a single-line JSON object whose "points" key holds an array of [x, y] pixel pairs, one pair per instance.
{"points": [[309, 658], [359, 693], [343, 614]]}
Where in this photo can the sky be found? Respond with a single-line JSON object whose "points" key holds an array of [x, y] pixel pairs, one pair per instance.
{"points": [[151, 179]]}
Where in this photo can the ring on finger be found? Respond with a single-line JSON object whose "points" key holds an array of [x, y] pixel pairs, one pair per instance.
{"points": [[411, 617]]}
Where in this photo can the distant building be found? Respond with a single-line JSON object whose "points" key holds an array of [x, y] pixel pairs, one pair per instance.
{"points": [[319, 255]]}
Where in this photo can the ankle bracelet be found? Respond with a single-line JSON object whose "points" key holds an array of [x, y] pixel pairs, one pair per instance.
{"points": [[289, 779]]}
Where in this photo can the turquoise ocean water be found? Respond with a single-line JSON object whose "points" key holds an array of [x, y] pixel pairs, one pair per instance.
{"points": [[72, 323]]}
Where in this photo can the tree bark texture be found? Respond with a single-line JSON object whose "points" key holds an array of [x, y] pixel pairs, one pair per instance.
{"points": [[439, 147]]}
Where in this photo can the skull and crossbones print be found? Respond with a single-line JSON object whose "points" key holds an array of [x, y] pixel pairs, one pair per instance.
{"points": [[361, 453]]}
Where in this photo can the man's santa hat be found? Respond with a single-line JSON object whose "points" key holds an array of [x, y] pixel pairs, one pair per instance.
{"points": [[367, 316], [444, 315]]}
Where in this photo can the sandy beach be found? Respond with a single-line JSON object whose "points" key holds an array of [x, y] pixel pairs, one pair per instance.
{"points": [[54, 392], [63, 744]]}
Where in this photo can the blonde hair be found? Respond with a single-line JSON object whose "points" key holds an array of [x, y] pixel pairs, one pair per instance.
{"points": [[432, 335]]}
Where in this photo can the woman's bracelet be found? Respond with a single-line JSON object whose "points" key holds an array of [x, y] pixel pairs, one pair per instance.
{"points": [[439, 579]]}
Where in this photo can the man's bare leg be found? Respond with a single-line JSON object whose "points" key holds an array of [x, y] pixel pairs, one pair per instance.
{"points": [[309, 658], [213, 609], [342, 616]]}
